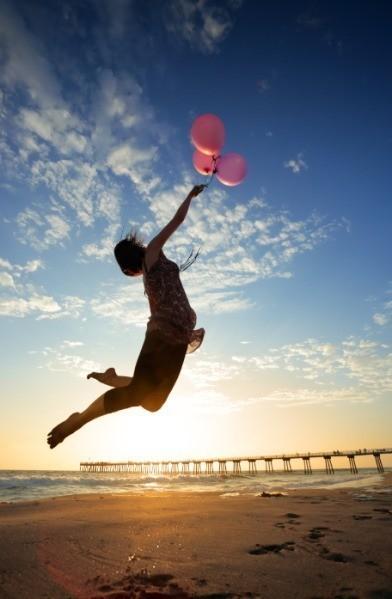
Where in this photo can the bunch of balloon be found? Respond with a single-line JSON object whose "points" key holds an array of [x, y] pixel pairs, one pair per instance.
{"points": [[208, 136]]}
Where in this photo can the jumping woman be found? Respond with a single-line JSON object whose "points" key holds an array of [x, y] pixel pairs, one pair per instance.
{"points": [[170, 334]]}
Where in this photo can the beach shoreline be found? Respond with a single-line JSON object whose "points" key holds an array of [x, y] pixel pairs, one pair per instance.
{"points": [[313, 543]]}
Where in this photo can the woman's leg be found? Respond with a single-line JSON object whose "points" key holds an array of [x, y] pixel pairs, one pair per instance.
{"points": [[110, 378], [169, 367], [115, 399], [156, 372]]}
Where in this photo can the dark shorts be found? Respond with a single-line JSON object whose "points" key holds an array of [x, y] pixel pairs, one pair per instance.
{"points": [[159, 361], [156, 371]]}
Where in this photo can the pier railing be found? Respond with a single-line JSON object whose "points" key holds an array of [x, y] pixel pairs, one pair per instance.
{"points": [[239, 465]]}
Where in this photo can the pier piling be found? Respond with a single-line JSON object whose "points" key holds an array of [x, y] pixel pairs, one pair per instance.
{"points": [[307, 465], [379, 465], [328, 465], [269, 466]]}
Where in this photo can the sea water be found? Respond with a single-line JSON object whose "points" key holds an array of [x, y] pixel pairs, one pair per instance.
{"points": [[27, 485]]}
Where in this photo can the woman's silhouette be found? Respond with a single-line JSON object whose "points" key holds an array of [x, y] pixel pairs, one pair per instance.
{"points": [[170, 332]]}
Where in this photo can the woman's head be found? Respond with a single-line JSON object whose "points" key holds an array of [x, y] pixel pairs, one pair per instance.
{"points": [[129, 253]]}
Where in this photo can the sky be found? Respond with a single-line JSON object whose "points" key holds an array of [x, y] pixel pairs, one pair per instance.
{"points": [[293, 283]]}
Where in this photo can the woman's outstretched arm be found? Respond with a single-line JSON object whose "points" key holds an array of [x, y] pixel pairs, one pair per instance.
{"points": [[156, 244], [183, 209]]}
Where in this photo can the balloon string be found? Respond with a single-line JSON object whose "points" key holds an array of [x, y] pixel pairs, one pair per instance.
{"points": [[213, 170]]}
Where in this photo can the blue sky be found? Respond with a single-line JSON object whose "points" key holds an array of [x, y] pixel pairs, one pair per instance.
{"points": [[293, 283]]}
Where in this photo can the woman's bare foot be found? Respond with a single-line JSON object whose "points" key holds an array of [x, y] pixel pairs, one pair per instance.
{"points": [[64, 429], [103, 377]]}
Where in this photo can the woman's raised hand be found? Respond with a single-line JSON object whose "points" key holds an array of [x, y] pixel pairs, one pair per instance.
{"points": [[196, 190]]}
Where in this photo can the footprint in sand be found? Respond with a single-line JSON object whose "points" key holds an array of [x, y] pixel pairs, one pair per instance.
{"points": [[315, 533], [272, 548], [336, 557], [292, 518], [132, 583]]}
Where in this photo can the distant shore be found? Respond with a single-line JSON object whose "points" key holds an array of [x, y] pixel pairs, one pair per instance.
{"points": [[307, 544]]}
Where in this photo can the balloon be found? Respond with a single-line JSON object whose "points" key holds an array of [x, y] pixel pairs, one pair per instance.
{"points": [[231, 169], [202, 163], [208, 134]]}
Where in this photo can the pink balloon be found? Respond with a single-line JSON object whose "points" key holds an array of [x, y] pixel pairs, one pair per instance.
{"points": [[231, 169], [208, 134], [202, 163]]}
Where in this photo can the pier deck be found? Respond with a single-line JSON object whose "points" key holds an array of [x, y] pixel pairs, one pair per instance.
{"points": [[239, 465]]}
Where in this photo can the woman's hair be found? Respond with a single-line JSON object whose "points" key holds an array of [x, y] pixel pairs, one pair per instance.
{"points": [[129, 252]]}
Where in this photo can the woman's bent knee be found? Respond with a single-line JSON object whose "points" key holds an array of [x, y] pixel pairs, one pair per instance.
{"points": [[152, 407], [154, 401]]}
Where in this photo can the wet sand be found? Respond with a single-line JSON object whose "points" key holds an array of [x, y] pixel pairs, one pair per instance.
{"points": [[313, 544]]}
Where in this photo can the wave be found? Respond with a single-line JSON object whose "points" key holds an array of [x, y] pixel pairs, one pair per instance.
{"points": [[24, 485]]}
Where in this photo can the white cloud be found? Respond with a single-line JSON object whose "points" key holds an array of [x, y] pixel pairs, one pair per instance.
{"points": [[30, 266], [125, 304], [103, 249], [380, 319], [134, 162], [307, 397], [26, 61], [366, 363], [41, 231], [58, 361], [230, 241], [296, 165], [54, 126], [210, 401], [202, 23], [20, 298], [83, 192], [67, 343], [6, 280], [71, 306], [205, 373], [238, 245], [20, 307], [384, 314]]}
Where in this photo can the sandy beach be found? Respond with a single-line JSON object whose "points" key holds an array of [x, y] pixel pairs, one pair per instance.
{"points": [[312, 544]]}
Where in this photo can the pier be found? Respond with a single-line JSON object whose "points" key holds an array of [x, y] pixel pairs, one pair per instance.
{"points": [[241, 465]]}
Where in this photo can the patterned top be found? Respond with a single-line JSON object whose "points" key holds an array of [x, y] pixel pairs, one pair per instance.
{"points": [[171, 313]]}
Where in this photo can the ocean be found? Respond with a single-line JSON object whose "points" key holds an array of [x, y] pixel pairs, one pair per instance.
{"points": [[27, 485]]}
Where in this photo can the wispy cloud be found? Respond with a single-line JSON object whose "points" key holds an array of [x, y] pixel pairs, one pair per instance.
{"points": [[263, 85], [311, 397], [207, 372], [296, 165], [56, 359], [19, 297], [85, 155], [125, 304], [310, 20], [239, 246], [82, 161], [26, 62], [204, 24], [365, 363], [383, 316]]}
